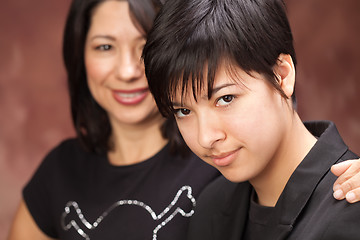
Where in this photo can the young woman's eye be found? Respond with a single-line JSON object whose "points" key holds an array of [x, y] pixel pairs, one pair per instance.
{"points": [[225, 100], [104, 47], [181, 112]]}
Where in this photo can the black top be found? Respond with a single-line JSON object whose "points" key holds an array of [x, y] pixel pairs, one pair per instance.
{"points": [[306, 208], [260, 220], [78, 195]]}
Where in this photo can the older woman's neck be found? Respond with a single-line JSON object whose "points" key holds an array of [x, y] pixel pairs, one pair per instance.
{"points": [[136, 143]]}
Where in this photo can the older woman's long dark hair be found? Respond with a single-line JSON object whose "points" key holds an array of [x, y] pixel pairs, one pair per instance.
{"points": [[90, 120]]}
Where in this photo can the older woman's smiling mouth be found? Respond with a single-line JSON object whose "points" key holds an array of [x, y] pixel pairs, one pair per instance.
{"points": [[130, 97]]}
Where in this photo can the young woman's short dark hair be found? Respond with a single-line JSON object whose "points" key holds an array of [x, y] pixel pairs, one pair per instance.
{"points": [[90, 120], [192, 38]]}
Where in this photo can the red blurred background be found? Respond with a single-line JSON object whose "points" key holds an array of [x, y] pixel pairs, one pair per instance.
{"points": [[34, 105]]}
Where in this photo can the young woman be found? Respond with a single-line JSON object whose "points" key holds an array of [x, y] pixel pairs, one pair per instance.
{"points": [[226, 71], [128, 175]]}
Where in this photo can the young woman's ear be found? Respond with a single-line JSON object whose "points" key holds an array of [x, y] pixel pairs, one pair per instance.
{"points": [[285, 71]]}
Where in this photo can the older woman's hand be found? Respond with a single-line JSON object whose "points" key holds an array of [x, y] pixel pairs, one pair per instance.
{"points": [[348, 183]]}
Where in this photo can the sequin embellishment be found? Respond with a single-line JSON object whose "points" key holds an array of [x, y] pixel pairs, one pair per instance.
{"points": [[81, 232]]}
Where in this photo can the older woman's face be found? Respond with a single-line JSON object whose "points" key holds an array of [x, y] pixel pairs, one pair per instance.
{"points": [[115, 72]]}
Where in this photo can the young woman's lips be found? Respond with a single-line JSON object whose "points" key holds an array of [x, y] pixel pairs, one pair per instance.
{"points": [[224, 159], [130, 97]]}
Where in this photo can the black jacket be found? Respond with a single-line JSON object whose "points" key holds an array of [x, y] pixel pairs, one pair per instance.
{"points": [[306, 209]]}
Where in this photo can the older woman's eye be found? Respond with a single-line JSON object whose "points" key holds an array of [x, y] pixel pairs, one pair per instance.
{"points": [[104, 47], [182, 112], [225, 100]]}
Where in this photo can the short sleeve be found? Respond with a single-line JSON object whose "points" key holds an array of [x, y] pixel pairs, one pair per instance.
{"points": [[37, 194]]}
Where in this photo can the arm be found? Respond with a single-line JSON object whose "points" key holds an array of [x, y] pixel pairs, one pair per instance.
{"points": [[348, 183], [24, 226]]}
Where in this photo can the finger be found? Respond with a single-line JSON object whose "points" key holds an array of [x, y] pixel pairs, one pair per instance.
{"points": [[339, 194], [340, 168], [351, 184], [348, 181], [353, 196], [347, 189]]}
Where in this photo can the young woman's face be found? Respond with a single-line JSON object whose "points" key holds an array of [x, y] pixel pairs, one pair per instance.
{"points": [[115, 72], [240, 129]]}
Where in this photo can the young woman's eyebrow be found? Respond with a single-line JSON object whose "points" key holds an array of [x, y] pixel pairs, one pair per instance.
{"points": [[218, 88], [176, 104]]}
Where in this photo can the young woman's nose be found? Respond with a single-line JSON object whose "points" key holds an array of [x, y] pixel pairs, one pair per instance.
{"points": [[129, 67], [209, 131]]}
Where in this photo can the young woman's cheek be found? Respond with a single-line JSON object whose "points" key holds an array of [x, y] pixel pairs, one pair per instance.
{"points": [[188, 130]]}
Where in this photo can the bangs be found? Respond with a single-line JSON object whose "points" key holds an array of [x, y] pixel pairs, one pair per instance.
{"points": [[192, 67], [196, 79], [194, 72]]}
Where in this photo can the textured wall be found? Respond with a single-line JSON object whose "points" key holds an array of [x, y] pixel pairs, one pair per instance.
{"points": [[34, 106], [34, 114], [327, 37]]}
